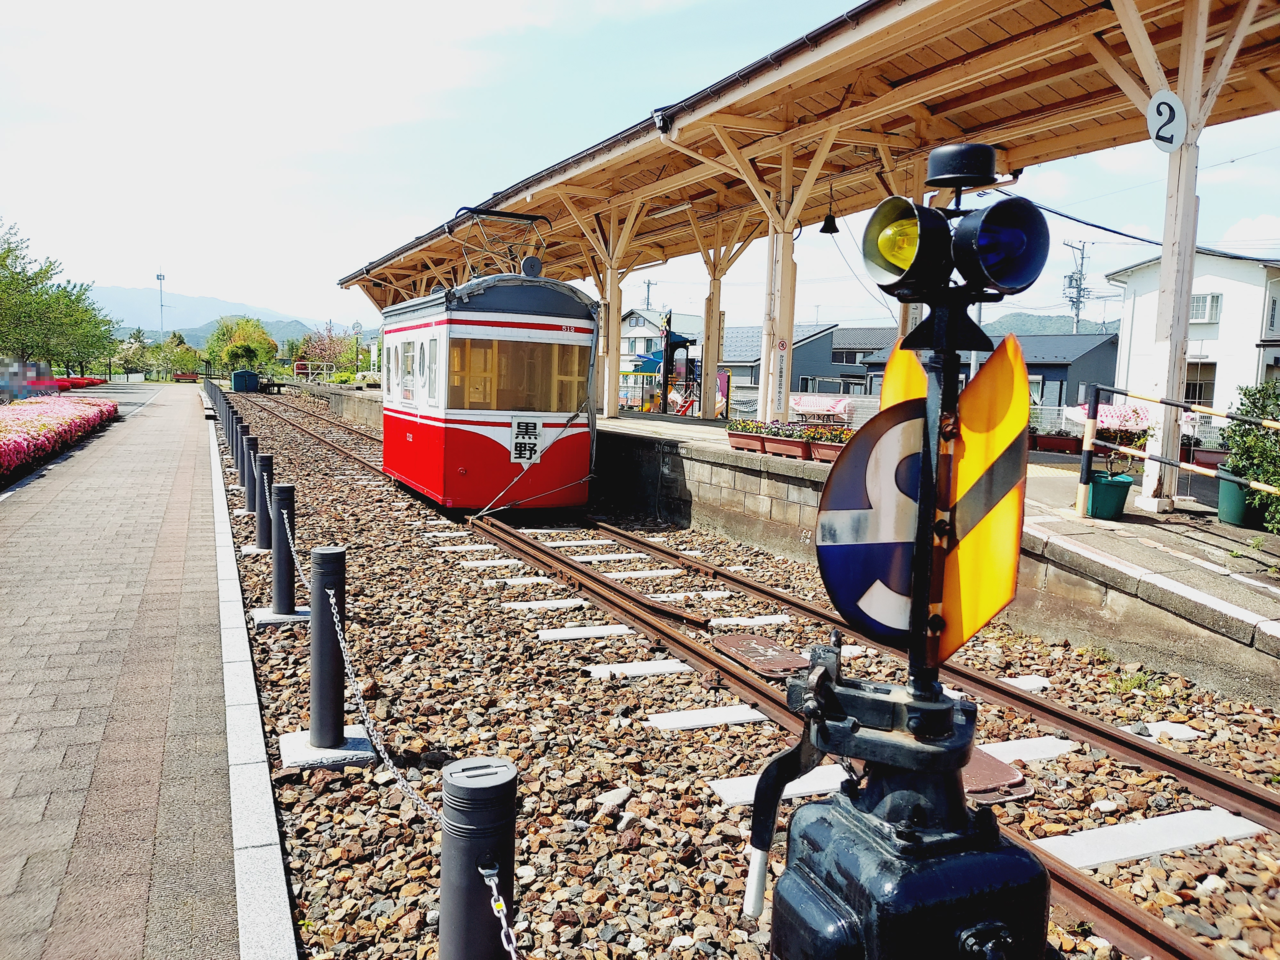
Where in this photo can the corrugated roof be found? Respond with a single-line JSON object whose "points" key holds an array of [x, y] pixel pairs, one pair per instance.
{"points": [[1200, 252], [1044, 348], [863, 338], [742, 344]]}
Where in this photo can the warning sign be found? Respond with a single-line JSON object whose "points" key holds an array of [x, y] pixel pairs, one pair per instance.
{"points": [[868, 513]]}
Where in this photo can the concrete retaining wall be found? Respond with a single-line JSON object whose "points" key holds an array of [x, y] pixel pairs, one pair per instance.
{"points": [[363, 406], [765, 500]]}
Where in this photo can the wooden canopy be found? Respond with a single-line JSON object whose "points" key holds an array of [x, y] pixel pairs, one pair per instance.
{"points": [[845, 116]]}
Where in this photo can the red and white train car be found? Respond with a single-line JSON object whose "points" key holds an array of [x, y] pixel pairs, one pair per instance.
{"points": [[486, 393]]}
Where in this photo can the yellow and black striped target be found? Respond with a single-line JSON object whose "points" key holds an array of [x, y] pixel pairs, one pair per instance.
{"points": [[988, 485]]}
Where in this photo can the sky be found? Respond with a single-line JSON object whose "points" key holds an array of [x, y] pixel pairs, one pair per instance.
{"points": [[258, 152]]}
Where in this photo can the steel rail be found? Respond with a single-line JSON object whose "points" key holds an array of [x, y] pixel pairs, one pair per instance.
{"points": [[336, 423], [1133, 931], [311, 433], [1236, 795], [627, 606]]}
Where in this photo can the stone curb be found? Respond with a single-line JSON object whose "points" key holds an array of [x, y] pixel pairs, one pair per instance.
{"points": [[1203, 609], [263, 916]]}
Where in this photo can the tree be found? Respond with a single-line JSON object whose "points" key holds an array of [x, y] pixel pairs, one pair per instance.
{"points": [[44, 320], [245, 332]]}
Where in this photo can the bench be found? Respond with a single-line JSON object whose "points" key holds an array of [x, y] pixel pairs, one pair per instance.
{"points": [[186, 377]]}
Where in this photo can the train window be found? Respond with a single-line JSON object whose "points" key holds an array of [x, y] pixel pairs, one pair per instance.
{"points": [[406, 373], [517, 375], [432, 365], [422, 364], [395, 365], [386, 365]]}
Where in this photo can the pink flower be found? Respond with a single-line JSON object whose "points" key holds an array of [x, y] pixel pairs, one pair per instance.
{"points": [[32, 429]]}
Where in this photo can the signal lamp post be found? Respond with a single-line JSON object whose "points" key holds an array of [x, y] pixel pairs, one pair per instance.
{"points": [[918, 533]]}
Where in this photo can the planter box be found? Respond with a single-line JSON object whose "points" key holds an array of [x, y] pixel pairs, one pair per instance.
{"points": [[825, 452], [1210, 458], [786, 447], [1072, 445], [753, 442]]}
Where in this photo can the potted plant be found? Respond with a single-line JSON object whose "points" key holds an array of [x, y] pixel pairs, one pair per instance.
{"points": [[1253, 453], [1059, 441], [786, 440], [746, 435], [1186, 447], [827, 440], [1032, 433], [1109, 491]]}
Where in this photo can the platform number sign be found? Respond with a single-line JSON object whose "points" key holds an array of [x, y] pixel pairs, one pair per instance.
{"points": [[526, 440], [1167, 121]]}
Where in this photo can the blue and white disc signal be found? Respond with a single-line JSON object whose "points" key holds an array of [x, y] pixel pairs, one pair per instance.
{"points": [[867, 523]]}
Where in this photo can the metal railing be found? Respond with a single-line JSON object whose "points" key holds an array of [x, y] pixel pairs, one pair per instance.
{"points": [[1091, 442]]}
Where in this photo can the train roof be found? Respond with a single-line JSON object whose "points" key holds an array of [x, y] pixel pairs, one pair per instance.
{"points": [[503, 293]]}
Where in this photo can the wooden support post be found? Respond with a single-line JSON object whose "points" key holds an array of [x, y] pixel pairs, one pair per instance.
{"points": [[613, 354], [1177, 261], [712, 331]]}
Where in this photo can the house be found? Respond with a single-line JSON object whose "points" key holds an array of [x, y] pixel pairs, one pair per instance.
{"points": [[1059, 366], [1233, 337], [810, 356], [826, 358], [642, 332]]}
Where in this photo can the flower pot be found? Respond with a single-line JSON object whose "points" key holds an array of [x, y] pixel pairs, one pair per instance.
{"points": [[825, 452], [1233, 507], [1186, 453], [786, 447], [1048, 444], [1107, 495], [746, 441], [1210, 458]]}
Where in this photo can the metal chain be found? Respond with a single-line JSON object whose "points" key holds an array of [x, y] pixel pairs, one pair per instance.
{"points": [[375, 737], [500, 911]]}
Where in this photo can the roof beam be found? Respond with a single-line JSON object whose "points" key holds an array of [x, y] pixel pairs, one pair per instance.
{"points": [[1135, 31], [1118, 73], [1222, 63]]}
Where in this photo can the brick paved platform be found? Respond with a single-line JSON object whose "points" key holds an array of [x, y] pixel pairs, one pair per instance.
{"points": [[114, 812]]}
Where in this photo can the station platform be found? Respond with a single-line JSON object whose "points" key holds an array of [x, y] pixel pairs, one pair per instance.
{"points": [[114, 792]]}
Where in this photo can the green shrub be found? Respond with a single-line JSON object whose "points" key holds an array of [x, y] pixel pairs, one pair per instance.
{"points": [[344, 377], [1254, 451]]}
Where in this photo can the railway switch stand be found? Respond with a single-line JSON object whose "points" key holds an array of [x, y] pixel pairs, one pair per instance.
{"points": [[923, 510]]}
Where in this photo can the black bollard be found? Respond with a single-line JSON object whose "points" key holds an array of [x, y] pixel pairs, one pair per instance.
{"points": [[236, 442], [250, 478], [242, 465], [283, 580], [328, 572], [262, 490], [479, 833]]}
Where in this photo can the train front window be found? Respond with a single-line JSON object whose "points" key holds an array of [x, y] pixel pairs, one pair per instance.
{"points": [[517, 375]]}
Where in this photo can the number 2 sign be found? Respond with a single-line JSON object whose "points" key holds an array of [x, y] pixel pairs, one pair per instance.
{"points": [[1167, 121]]}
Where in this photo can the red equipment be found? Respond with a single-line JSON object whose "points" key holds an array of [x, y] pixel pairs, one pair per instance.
{"points": [[487, 393]]}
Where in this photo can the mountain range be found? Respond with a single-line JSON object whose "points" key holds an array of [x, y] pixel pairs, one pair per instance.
{"points": [[1033, 324], [194, 317]]}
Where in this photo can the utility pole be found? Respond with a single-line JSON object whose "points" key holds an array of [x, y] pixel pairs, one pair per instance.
{"points": [[160, 277], [647, 285], [1073, 287]]}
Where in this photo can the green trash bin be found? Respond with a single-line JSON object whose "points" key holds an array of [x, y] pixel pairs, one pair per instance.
{"points": [[1107, 495]]}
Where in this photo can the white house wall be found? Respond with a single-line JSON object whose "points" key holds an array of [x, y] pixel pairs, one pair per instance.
{"points": [[1231, 344]]}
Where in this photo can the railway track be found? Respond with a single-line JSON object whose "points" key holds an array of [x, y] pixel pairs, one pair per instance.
{"points": [[1132, 930]]}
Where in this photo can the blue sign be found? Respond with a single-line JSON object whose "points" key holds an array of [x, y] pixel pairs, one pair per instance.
{"points": [[867, 523]]}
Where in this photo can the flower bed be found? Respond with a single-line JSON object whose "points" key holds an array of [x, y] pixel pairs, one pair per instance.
{"points": [[31, 430], [779, 439]]}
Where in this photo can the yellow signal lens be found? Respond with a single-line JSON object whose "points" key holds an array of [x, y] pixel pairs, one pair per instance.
{"points": [[899, 241]]}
